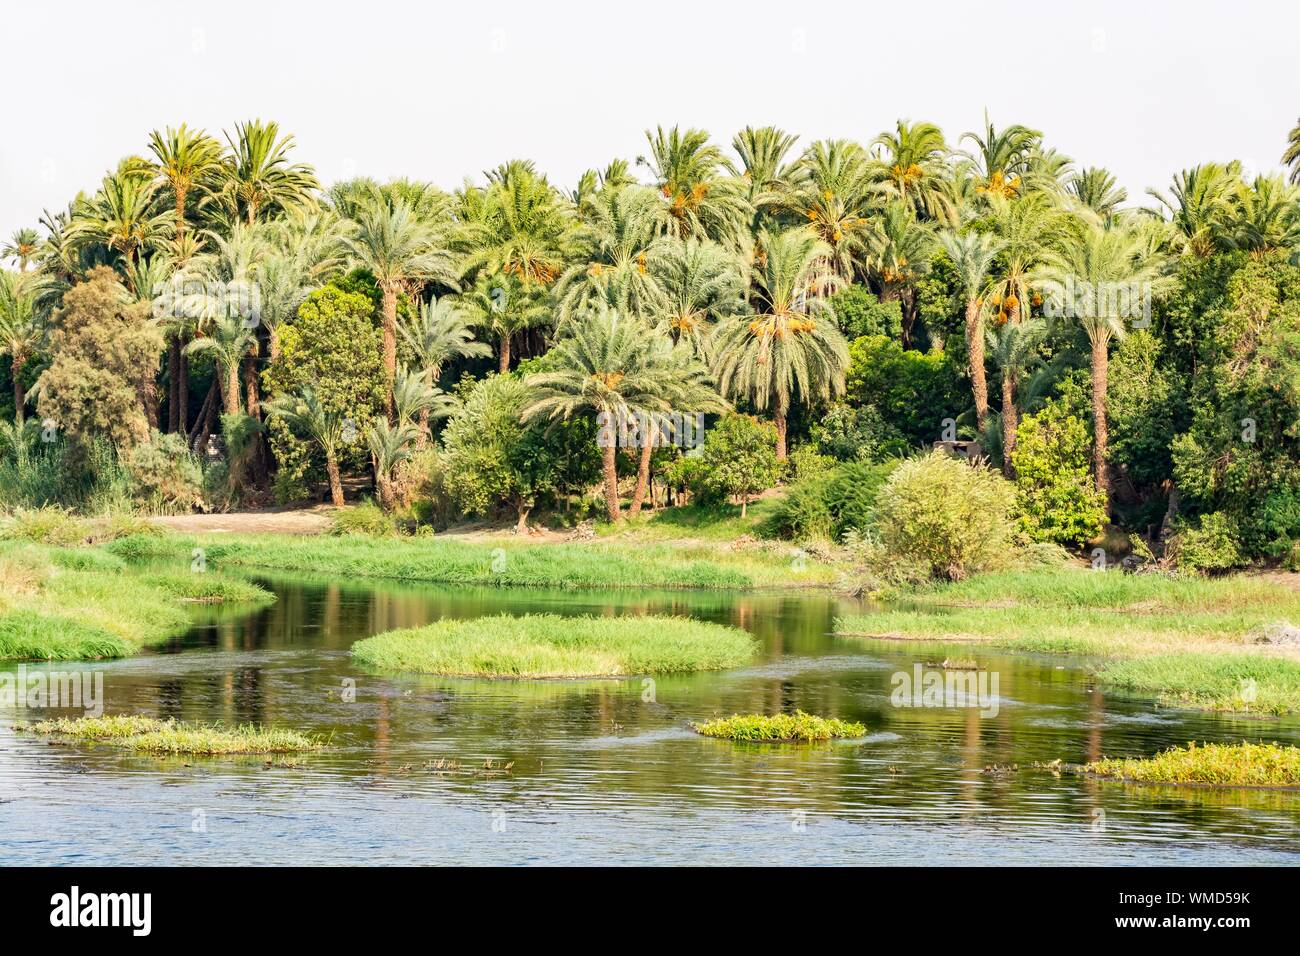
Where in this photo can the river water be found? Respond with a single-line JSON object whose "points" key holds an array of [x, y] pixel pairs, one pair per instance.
{"points": [[608, 771]]}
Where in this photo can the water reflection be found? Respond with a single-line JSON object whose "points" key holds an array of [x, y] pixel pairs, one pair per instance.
{"points": [[614, 759]]}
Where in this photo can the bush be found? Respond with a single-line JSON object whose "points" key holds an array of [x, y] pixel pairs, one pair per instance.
{"points": [[1209, 545], [51, 525], [165, 476], [853, 432], [829, 504], [739, 457], [1056, 497], [366, 518], [950, 518], [913, 391], [690, 474]]}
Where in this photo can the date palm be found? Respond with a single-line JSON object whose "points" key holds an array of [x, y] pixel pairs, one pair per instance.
{"points": [[1262, 218], [833, 192], [691, 173], [624, 227], [518, 226], [505, 306], [702, 283], [788, 347], [763, 169], [1291, 157], [1001, 158], [389, 446], [612, 366], [304, 413], [123, 216], [1199, 200], [912, 164], [184, 159], [22, 247], [1013, 344], [1096, 188], [257, 177], [21, 330], [973, 255], [229, 340], [1114, 269], [897, 253], [403, 251]]}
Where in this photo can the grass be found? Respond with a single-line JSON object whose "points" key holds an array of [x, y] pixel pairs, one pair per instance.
{"points": [[621, 563], [1181, 639], [549, 645], [167, 737], [781, 728], [80, 604], [1215, 765], [706, 523]]}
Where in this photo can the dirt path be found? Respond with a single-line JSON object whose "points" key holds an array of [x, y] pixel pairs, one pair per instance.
{"points": [[315, 520]]}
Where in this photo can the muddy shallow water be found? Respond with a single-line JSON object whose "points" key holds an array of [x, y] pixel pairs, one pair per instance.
{"points": [[608, 771]]}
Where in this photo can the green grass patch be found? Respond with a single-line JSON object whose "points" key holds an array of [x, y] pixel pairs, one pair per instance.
{"points": [[780, 728], [166, 737], [1216, 765], [1229, 682], [68, 604], [549, 645], [703, 522], [621, 563]]}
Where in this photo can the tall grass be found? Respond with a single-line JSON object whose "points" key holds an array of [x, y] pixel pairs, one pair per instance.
{"points": [[550, 645], [1215, 765]]}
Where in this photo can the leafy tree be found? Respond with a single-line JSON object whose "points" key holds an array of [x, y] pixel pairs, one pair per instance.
{"points": [[303, 412], [860, 312], [739, 457], [1056, 498], [440, 332], [913, 391], [101, 346]]}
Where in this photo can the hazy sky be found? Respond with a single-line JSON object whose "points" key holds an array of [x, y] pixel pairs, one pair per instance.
{"points": [[440, 92]]}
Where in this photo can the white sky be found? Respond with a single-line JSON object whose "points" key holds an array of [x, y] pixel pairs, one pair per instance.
{"points": [[1144, 87]]}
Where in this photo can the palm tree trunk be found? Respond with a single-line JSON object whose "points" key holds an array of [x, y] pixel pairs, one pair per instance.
{"points": [[336, 484], [390, 348], [232, 389], [173, 381], [183, 390], [20, 394], [975, 350], [643, 469], [778, 415], [1009, 421], [1100, 434], [273, 346], [503, 364], [180, 213], [611, 482]]}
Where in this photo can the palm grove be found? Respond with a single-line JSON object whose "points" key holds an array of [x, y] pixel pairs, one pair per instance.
{"points": [[211, 328]]}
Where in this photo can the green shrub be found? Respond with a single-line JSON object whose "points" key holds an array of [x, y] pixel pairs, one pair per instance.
{"points": [[780, 728], [739, 456], [852, 432], [51, 525], [951, 518], [366, 518], [1056, 497], [1209, 545], [828, 505], [165, 476]]}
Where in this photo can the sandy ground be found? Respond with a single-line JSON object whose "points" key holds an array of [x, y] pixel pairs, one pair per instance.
{"points": [[314, 520]]}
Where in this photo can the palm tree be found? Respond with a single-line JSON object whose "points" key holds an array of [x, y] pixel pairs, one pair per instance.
{"points": [[1292, 155], [229, 340], [389, 445], [518, 226], [611, 365], [625, 225], [898, 250], [1096, 188], [702, 283], [184, 159], [257, 176], [440, 331], [22, 247], [1198, 202], [763, 170], [305, 413], [123, 216], [1115, 270], [912, 163], [972, 255], [303, 249], [1001, 159], [789, 345], [1262, 218], [833, 192], [21, 330], [505, 305], [693, 176], [402, 251], [1012, 343]]}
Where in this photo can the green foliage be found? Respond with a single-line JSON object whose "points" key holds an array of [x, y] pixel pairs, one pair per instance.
{"points": [[167, 737], [366, 518], [1056, 497], [779, 728], [333, 346], [912, 391], [949, 517], [50, 525], [1214, 765], [165, 476], [1144, 409], [739, 457], [1207, 545], [859, 312], [829, 504], [850, 432]]}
